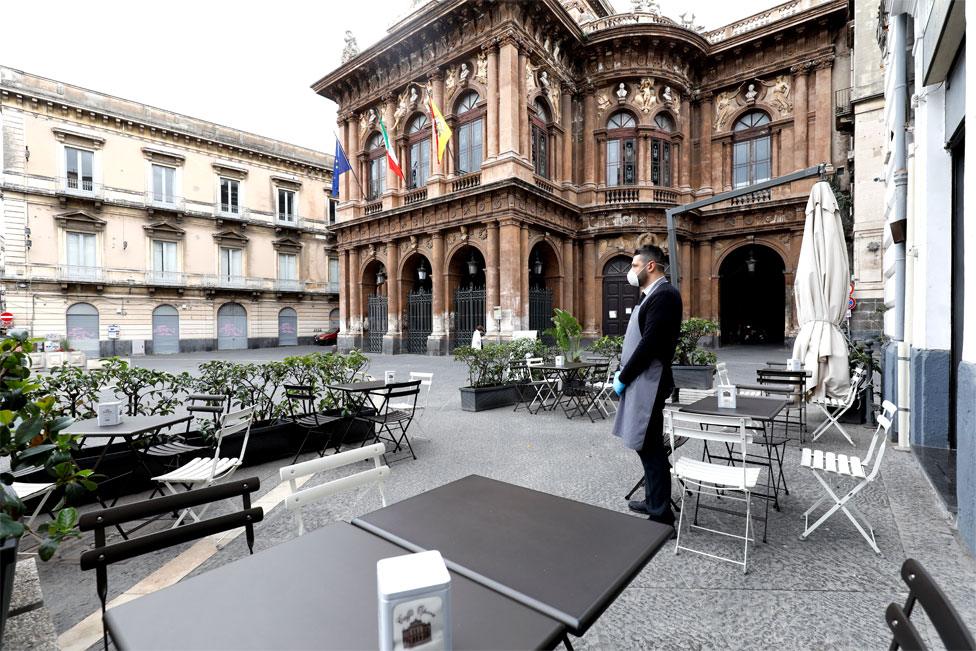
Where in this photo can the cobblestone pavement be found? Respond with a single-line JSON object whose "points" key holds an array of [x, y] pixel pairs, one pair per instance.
{"points": [[829, 591]]}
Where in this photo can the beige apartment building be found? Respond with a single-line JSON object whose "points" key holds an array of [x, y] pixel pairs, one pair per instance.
{"points": [[129, 229]]}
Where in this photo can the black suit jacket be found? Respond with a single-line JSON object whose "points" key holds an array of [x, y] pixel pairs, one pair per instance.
{"points": [[660, 326]]}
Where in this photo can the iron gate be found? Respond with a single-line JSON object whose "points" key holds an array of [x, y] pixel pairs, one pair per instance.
{"points": [[419, 320], [540, 312], [469, 312], [377, 323]]}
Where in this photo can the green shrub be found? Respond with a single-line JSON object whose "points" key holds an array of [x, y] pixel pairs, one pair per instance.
{"points": [[687, 352], [567, 332]]}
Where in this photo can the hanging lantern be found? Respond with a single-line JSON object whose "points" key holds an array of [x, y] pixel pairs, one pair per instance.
{"points": [[751, 262], [537, 265], [422, 271], [380, 277], [472, 265]]}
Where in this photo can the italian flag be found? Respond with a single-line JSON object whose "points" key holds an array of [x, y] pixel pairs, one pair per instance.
{"points": [[391, 156]]}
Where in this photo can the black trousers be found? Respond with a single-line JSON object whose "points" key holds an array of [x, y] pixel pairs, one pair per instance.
{"points": [[657, 468]]}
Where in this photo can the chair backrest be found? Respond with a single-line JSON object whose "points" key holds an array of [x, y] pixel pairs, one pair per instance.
{"points": [[857, 377], [301, 396], [722, 374], [297, 499], [885, 417], [406, 391], [943, 615], [103, 555], [426, 380], [730, 430], [230, 424], [518, 370]]}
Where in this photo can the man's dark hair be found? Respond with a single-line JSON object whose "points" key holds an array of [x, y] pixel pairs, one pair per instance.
{"points": [[652, 253]]}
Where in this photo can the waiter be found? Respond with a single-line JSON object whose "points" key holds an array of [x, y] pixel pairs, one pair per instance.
{"points": [[644, 381]]}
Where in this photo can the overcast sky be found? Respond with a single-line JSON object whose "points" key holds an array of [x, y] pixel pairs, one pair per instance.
{"points": [[246, 65]]}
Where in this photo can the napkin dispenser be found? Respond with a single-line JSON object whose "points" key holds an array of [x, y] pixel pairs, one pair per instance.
{"points": [[726, 396], [109, 413], [414, 594], [794, 364]]}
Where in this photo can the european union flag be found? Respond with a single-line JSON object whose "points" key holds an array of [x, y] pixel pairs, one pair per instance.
{"points": [[341, 166]]}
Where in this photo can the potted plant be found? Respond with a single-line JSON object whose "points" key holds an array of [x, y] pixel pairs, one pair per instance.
{"points": [[860, 355], [30, 434], [609, 347], [488, 385], [693, 367], [568, 333]]}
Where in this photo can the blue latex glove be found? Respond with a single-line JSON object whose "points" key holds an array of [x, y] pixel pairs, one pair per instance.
{"points": [[618, 386]]}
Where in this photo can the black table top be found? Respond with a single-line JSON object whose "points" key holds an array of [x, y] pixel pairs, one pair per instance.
{"points": [[566, 559], [130, 425], [782, 372], [764, 409], [317, 591], [354, 387], [568, 366]]}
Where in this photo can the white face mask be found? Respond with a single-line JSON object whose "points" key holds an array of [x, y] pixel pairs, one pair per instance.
{"points": [[632, 278]]}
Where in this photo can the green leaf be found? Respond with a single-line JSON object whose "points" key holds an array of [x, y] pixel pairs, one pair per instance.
{"points": [[47, 548], [67, 518], [29, 429], [10, 528]]}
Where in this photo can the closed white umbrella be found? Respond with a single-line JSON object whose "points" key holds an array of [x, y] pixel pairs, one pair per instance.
{"points": [[821, 292]]}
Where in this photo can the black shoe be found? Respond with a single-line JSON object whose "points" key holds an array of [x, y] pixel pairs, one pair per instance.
{"points": [[637, 506]]}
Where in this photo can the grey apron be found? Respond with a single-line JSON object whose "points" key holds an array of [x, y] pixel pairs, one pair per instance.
{"points": [[634, 412]]}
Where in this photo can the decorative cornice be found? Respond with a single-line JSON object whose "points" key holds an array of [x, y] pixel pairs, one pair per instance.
{"points": [[67, 135], [164, 229], [79, 218], [163, 155]]}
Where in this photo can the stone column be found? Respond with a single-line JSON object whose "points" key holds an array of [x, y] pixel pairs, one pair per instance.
{"points": [[392, 180], [344, 295], [704, 289], [523, 263], [599, 172], [684, 158], [643, 159], [569, 276], [824, 97], [725, 172], [492, 110], [800, 115], [346, 181], [589, 122], [566, 121], [687, 277], [509, 247], [391, 340], [706, 144], [491, 276], [525, 150], [355, 289], [437, 341], [437, 91], [590, 308], [508, 102]]}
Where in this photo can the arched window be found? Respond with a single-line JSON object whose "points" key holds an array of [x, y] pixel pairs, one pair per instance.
{"points": [[751, 154], [334, 319], [376, 150], [418, 139], [470, 131], [540, 138], [661, 150], [621, 149]]}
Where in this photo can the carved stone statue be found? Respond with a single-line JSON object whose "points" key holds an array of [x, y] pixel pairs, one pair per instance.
{"points": [[530, 70], [351, 50], [751, 94], [481, 69], [403, 107], [645, 98], [367, 120], [778, 95], [724, 107], [638, 5], [544, 80], [667, 96], [622, 93], [463, 74], [414, 98], [602, 103], [450, 79], [554, 97]]}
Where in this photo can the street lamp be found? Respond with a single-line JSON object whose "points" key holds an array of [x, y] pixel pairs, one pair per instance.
{"points": [[537, 264], [422, 271], [472, 265]]}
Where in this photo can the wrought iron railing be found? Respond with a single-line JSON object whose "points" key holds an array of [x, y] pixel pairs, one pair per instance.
{"points": [[79, 187], [842, 101]]}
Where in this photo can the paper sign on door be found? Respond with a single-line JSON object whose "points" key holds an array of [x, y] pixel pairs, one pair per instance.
{"points": [[628, 310], [613, 314]]}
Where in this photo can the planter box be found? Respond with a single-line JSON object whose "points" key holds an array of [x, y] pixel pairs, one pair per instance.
{"points": [[483, 398], [8, 564], [855, 415], [693, 377]]}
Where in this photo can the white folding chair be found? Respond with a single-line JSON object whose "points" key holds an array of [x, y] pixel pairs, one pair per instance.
{"points": [[819, 463], [202, 472], [29, 490], [545, 386], [426, 380], [703, 477], [299, 498], [834, 408]]}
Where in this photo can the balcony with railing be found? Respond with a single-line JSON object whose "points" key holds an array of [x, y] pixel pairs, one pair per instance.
{"points": [[638, 194], [843, 108], [621, 195], [373, 208], [166, 278], [415, 196], [79, 274], [620, 20], [289, 285], [466, 182], [285, 220], [161, 201], [227, 281], [81, 188], [230, 211]]}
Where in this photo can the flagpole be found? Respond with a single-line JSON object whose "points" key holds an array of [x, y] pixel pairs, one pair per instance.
{"points": [[352, 168]]}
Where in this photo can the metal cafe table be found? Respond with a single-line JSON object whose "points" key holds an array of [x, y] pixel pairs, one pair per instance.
{"points": [[317, 591], [570, 374], [762, 412], [352, 396]]}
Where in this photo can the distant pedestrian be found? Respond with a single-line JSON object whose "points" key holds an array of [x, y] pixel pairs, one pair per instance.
{"points": [[645, 381], [477, 336]]}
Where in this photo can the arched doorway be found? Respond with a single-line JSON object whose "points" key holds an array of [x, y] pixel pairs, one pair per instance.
{"points": [[231, 327], [752, 296], [619, 297], [374, 298], [544, 283], [82, 328], [417, 296], [165, 330], [466, 282], [287, 327]]}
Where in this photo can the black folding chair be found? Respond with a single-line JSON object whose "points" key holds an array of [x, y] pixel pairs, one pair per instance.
{"points": [[391, 424], [303, 413], [169, 448], [944, 617], [103, 554]]}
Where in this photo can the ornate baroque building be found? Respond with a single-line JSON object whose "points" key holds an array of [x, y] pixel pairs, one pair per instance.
{"points": [[574, 130]]}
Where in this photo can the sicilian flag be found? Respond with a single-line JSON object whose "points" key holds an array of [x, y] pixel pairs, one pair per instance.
{"points": [[391, 156], [442, 132], [341, 166]]}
